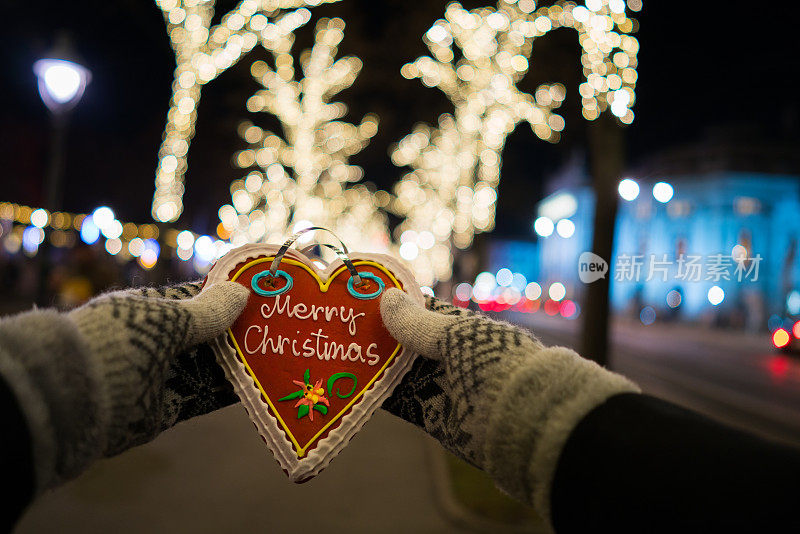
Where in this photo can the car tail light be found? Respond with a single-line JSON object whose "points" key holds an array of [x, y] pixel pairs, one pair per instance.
{"points": [[780, 338]]}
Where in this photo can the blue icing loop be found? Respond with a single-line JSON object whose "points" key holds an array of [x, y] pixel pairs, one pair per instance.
{"points": [[275, 292], [366, 296]]}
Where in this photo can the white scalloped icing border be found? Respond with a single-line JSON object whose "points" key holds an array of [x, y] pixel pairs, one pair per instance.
{"points": [[318, 458]]}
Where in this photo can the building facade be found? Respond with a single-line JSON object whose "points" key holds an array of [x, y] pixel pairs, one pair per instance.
{"points": [[719, 247]]}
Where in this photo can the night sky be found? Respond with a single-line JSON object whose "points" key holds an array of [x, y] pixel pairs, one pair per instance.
{"points": [[717, 72]]}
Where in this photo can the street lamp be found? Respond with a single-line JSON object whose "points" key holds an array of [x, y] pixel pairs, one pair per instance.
{"points": [[62, 81]]}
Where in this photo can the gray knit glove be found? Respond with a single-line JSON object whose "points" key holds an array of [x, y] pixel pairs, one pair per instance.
{"points": [[136, 335], [117, 371], [491, 393]]}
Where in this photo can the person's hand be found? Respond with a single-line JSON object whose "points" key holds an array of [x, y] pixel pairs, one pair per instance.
{"points": [[149, 343], [117, 371], [491, 393]]}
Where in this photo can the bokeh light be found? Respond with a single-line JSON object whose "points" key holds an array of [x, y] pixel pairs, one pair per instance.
{"points": [[674, 298], [185, 240], [204, 249], [793, 302], [90, 233], [647, 315], [39, 218], [543, 226], [716, 295], [557, 291], [662, 192], [628, 189], [533, 291], [565, 228], [504, 277], [463, 291], [780, 338], [103, 217]]}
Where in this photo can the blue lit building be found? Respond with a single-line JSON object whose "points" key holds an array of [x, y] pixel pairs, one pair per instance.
{"points": [[716, 246], [744, 229]]}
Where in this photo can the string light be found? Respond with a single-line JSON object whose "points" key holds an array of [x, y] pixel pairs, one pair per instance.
{"points": [[202, 53], [304, 175], [477, 58], [26, 227]]}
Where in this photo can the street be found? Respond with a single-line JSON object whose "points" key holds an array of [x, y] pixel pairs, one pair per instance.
{"points": [[214, 474], [731, 376]]}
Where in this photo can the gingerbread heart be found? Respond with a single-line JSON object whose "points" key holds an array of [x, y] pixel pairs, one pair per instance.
{"points": [[309, 357]]}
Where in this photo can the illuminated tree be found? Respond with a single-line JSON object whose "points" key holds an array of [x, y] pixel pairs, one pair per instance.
{"points": [[202, 53], [477, 59], [303, 176]]}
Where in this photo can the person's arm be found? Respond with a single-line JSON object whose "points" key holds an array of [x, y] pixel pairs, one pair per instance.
{"points": [[492, 394], [107, 376], [16, 462], [578, 443], [640, 464]]}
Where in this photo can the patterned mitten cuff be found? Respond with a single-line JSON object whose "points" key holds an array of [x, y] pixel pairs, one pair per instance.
{"points": [[115, 372], [47, 365], [492, 393], [134, 337], [194, 384]]}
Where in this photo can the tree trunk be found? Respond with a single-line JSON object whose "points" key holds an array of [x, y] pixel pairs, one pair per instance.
{"points": [[606, 156]]}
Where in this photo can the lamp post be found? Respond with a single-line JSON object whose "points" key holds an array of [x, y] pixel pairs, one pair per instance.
{"points": [[62, 81]]}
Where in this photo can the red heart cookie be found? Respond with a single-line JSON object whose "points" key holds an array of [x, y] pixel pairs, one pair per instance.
{"points": [[309, 357]]}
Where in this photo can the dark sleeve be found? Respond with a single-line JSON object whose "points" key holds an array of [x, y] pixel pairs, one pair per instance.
{"points": [[16, 461], [640, 464]]}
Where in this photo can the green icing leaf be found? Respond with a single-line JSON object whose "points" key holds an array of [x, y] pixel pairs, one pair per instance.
{"points": [[336, 377], [292, 396], [321, 408], [307, 376], [302, 411]]}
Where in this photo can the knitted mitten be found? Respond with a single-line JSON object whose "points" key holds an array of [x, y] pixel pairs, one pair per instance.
{"points": [[115, 372], [137, 334], [491, 393]]}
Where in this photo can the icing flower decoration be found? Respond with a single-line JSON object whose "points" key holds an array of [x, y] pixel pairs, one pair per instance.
{"points": [[309, 398]]}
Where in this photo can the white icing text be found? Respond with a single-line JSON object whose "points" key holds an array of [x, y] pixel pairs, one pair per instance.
{"points": [[301, 311], [257, 340]]}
